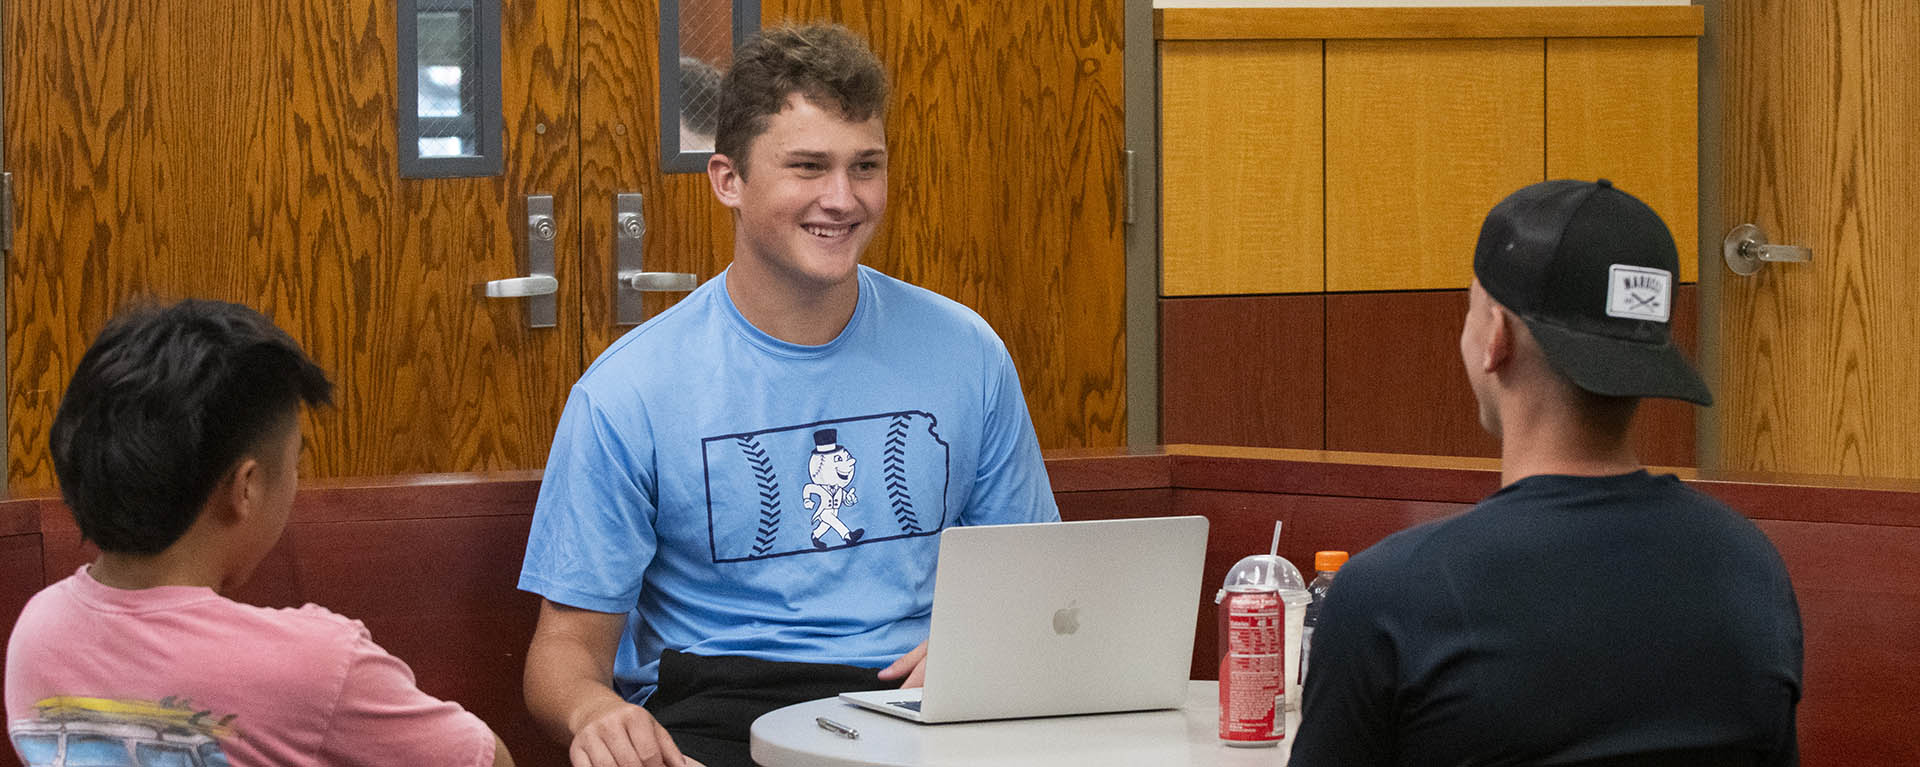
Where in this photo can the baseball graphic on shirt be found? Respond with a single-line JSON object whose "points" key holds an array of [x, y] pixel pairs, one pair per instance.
{"points": [[826, 487], [831, 468]]}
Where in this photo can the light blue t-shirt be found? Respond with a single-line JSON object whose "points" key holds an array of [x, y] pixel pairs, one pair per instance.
{"points": [[735, 494]]}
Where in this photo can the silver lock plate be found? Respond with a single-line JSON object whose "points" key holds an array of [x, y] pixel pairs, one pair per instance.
{"points": [[631, 279], [629, 237], [543, 311]]}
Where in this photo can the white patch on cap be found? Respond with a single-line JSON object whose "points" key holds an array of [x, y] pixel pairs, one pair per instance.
{"points": [[1639, 293]]}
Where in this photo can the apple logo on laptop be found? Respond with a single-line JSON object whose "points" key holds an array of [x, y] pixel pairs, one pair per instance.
{"points": [[1066, 620]]}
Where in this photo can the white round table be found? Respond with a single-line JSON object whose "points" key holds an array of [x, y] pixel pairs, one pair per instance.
{"points": [[789, 737]]}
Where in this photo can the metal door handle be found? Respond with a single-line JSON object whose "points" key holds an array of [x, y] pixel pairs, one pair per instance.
{"points": [[629, 242], [522, 287], [650, 282], [539, 287], [1746, 250]]}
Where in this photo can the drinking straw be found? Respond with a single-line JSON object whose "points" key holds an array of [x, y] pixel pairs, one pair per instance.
{"points": [[1274, 550]]}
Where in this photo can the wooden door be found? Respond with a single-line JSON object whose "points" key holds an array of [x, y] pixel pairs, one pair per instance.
{"points": [[247, 152], [1818, 368], [1006, 188], [687, 230]]}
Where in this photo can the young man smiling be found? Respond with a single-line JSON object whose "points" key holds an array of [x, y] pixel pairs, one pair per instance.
{"points": [[689, 586], [807, 203]]}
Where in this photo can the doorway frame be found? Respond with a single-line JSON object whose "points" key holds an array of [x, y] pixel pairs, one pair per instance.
{"points": [[1140, 58], [6, 261]]}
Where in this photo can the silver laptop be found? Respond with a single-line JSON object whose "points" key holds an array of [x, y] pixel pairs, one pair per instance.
{"points": [[1058, 618]]}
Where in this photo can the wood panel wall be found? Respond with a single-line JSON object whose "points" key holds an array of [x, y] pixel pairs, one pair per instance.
{"points": [[1430, 116], [1395, 383], [1363, 372], [1244, 371], [1427, 136], [1242, 167], [1387, 180], [1419, 23], [1817, 102]]}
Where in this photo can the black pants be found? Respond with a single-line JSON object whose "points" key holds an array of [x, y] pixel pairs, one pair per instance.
{"points": [[708, 703]]}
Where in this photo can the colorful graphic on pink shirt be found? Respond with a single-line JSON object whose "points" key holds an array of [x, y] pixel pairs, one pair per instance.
{"points": [[100, 732]]}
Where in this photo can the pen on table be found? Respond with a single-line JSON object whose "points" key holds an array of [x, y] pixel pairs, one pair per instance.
{"points": [[837, 728]]}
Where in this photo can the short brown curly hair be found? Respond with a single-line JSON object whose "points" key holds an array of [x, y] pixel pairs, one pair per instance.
{"points": [[826, 63]]}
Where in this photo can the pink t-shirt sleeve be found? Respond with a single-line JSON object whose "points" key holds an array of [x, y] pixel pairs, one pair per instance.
{"points": [[382, 718]]}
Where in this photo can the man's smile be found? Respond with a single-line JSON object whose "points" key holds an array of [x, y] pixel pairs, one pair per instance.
{"points": [[822, 230]]}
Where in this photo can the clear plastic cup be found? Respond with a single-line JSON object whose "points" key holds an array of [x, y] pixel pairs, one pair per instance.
{"points": [[1268, 571]]}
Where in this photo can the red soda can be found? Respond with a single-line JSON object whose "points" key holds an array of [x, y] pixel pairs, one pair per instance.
{"points": [[1252, 666]]}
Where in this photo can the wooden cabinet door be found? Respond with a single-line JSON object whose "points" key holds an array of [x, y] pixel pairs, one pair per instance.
{"points": [[247, 152]]}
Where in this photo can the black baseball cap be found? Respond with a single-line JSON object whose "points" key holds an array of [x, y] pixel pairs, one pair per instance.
{"points": [[1591, 270]]}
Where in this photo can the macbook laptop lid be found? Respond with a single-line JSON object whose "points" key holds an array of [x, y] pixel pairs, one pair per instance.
{"points": [[1058, 618]]}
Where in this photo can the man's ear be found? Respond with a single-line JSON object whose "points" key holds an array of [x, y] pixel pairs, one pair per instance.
{"points": [[238, 496], [1498, 349], [725, 177]]}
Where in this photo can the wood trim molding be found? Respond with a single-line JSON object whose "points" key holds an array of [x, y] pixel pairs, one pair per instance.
{"points": [[1339, 23], [1423, 478], [1101, 469]]}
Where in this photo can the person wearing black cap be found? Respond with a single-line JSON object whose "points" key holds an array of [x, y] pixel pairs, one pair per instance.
{"points": [[1589, 612]]}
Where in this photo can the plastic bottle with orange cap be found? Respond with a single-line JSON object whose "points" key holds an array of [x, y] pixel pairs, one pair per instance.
{"points": [[1326, 565]]}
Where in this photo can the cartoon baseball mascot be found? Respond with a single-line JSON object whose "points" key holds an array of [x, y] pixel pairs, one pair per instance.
{"points": [[831, 468]]}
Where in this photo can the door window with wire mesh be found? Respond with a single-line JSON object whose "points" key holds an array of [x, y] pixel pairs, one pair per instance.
{"points": [[449, 69], [696, 47]]}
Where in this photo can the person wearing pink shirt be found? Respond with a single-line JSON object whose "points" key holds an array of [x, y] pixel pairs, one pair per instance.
{"points": [[176, 448]]}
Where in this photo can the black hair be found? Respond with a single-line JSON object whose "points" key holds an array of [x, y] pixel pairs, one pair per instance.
{"points": [[162, 406]]}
